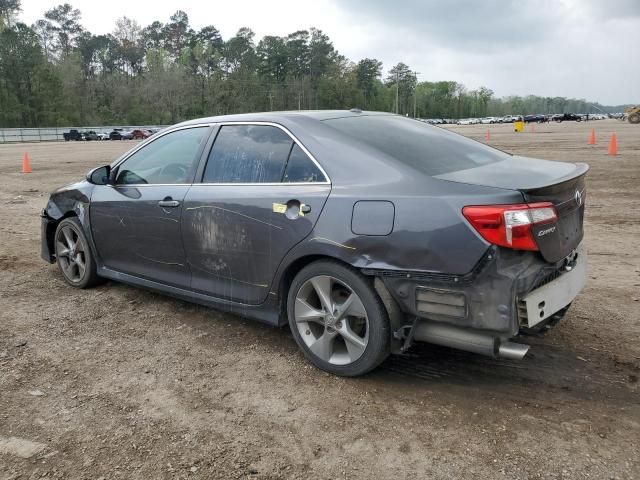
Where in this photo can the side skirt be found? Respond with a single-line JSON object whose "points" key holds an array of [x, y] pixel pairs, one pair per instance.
{"points": [[267, 312]]}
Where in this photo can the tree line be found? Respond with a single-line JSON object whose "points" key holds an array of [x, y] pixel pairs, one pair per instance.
{"points": [[56, 73]]}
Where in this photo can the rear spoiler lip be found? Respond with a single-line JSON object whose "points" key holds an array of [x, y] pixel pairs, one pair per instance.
{"points": [[517, 174], [580, 170]]}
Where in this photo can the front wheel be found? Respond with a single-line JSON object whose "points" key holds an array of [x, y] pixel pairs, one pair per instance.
{"points": [[337, 319], [73, 255]]}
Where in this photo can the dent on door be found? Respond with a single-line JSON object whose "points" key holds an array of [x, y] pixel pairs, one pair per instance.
{"points": [[236, 236]]}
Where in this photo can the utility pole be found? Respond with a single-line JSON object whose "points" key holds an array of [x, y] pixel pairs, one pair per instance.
{"points": [[415, 93], [397, 91]]}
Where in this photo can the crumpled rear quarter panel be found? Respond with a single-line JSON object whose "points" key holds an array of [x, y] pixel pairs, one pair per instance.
{"points": [[490, 289]]}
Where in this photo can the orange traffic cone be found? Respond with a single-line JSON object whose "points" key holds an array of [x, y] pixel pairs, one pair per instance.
{"points": [[488, 136], [592, 137], [26, 166], [613, 145]]}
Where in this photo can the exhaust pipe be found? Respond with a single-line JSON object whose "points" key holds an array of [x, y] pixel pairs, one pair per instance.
{"points": [[512, 350], [468, 340]]}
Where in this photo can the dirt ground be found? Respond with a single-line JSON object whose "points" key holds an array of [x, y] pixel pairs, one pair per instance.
{"points": [[117, 382]]}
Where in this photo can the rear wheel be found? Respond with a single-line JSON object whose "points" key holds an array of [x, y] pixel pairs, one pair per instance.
{"points": [[73, 255], [337, 319], [634, 118]]}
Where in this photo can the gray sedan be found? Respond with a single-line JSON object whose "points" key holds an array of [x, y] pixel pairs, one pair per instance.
{"points": [[364, 232]]}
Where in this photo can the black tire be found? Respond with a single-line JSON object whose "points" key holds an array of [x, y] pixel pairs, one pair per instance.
{"points": [[86, 278], [377, 348]]}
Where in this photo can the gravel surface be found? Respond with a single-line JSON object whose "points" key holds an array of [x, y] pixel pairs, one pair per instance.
{"points": [[117, 382]]}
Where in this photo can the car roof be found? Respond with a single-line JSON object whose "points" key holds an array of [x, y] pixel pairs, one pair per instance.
{"points": [[281, 116]]}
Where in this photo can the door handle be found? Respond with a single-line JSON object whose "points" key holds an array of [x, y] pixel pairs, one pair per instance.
{"points": [[292, 209], [168, 202]]}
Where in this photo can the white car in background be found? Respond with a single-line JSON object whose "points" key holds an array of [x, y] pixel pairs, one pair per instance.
{"points": [[466, 121]]}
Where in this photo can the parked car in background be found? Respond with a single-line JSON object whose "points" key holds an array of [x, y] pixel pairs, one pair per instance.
{"points": [[536, 118], [126, 135], [91, 135], [140, 134], [103, 136], [489, 120], [72, 135], [116, 134], [465, 121], [290, 218], [571, 117]]}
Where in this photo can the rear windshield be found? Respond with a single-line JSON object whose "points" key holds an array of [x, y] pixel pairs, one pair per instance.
{"points": [[431, 150]]}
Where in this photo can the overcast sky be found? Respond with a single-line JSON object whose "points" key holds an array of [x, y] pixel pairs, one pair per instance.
{"points": [[571, 48]]}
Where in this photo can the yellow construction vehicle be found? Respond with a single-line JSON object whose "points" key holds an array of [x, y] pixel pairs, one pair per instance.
{"points": [[633, 114]]}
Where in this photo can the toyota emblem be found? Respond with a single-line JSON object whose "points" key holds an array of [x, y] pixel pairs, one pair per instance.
{"points": [[578, 198]]}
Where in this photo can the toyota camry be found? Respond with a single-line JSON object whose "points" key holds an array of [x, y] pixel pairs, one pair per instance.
{"points": [[365, 232]]}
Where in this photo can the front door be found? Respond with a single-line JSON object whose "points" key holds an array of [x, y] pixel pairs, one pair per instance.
{"points": [[136, 221], [260, 195]]}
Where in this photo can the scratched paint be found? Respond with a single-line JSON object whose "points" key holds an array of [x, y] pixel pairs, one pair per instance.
{"points": [[159, 261], [222, 252], [322, 239], [236, 213], [219, 275]]}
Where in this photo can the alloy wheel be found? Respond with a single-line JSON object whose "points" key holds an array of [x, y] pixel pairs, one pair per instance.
{"points": [[331, 320], [70, 252]]}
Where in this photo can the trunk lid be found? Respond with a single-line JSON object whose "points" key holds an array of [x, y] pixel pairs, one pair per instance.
{"points": [[562, 184]]}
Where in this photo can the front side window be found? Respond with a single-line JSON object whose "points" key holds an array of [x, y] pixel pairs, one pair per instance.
{"points": [[248, 154], [170, 159]]}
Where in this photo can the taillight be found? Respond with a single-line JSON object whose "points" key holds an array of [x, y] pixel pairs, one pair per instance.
{"points": [[510, 225]]}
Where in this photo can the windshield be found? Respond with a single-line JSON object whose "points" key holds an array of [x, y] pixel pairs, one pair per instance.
{"points": [[431, 150]]}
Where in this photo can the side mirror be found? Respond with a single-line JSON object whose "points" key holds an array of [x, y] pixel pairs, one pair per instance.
{"points": [[99, 176]]}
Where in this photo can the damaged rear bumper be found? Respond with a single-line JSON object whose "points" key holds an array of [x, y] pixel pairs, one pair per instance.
{"points": [[508, 291], [547, 299]]}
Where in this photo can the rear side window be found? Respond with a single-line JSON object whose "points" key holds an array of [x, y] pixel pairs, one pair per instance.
{"points": [[431, 150], [300, 168], [248, 154]]}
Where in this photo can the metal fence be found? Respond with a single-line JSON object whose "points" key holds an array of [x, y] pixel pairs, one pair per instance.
{"points": [[52, 134]]}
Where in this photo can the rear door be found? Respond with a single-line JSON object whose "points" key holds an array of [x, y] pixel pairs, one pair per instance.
{"points": [[136, 221], [261, 193]]}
